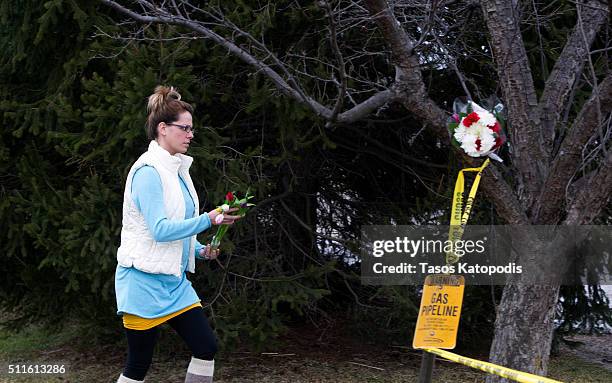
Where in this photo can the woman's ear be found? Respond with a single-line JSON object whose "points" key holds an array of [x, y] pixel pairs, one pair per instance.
{"points": [[161, 129]]}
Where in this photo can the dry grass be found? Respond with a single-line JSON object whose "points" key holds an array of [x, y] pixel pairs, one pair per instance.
{"points": [[299, 361]]}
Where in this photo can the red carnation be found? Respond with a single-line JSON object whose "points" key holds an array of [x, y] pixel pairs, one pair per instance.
{"points": [[229, 196], [496, 128], [498, 142], [478, 142], [470, 119]]}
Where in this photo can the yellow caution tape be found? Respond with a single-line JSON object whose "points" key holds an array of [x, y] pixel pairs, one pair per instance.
{"points": [[458, 218], [491, 368]]}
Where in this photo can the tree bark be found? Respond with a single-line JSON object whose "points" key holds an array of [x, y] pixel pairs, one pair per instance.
{"points": [[524, 318], [593, 197], [524, 328], [502, 18], [551, 203], [568, 68]]}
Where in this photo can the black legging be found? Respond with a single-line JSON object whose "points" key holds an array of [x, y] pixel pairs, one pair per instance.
{"points": [[191, 325]]}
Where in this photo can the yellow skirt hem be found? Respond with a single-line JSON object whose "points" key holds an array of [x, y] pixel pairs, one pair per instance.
{"points": [[134, 322]]}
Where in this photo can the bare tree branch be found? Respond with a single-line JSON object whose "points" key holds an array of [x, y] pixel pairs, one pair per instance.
{"points": [[368, 106], [134, 15], [288, 86], [513, 69], [567, 69], [408, 72], [409, 86], [416, 100], [593, 197], [452, 61], [167, 18], [543, 64], [342, 84], [567, 160]]}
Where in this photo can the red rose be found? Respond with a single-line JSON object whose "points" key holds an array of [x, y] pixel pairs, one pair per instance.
{"points": [[470, 119], [229, 196]]}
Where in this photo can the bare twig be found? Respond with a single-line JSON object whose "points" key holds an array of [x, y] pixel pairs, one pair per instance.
{"points": [[366, 365]]}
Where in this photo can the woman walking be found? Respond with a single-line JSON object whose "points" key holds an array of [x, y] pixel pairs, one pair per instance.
{"points": [[158, 244]]}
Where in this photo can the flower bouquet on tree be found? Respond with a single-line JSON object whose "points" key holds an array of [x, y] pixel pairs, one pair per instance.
{"points": [[478, 132], [231, 201]]}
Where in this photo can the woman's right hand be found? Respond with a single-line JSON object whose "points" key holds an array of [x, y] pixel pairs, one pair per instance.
{"points": [[227, 218]]}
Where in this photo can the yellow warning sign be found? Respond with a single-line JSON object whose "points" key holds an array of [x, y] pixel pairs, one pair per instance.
{"points": [[440, 311]]}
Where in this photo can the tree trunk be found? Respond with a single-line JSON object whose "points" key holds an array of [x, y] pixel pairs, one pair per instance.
{"points": [[524, 323], [524, 329]]}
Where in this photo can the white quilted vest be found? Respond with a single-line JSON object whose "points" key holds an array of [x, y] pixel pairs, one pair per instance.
{"points": [[138, 248]]}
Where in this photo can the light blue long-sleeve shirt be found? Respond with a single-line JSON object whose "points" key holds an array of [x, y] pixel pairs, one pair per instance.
{"points": [[156, 295]]}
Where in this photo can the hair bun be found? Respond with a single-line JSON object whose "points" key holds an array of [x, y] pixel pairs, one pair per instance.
{"points": [[173, 94], [162, 96]]}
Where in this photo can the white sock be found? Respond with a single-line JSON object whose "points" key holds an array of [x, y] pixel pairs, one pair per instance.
{"points": [[200, 371], [123, 379]]}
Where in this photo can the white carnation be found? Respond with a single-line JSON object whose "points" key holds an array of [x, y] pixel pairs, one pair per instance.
{"points": [[487, 118], [469, 144], [459, 133], [487, 141]]}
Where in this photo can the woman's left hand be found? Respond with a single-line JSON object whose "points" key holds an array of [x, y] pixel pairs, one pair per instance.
{"points": [[208, 253]]}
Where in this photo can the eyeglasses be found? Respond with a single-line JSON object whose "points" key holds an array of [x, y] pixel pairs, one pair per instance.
{"points": [[185, 128]]}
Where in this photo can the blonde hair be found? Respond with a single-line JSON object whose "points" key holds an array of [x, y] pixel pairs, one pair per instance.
{"points": [[164, 105]]}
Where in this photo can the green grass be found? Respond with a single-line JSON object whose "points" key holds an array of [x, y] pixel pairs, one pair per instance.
{"points": [[32, 340], [570, 369]]}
